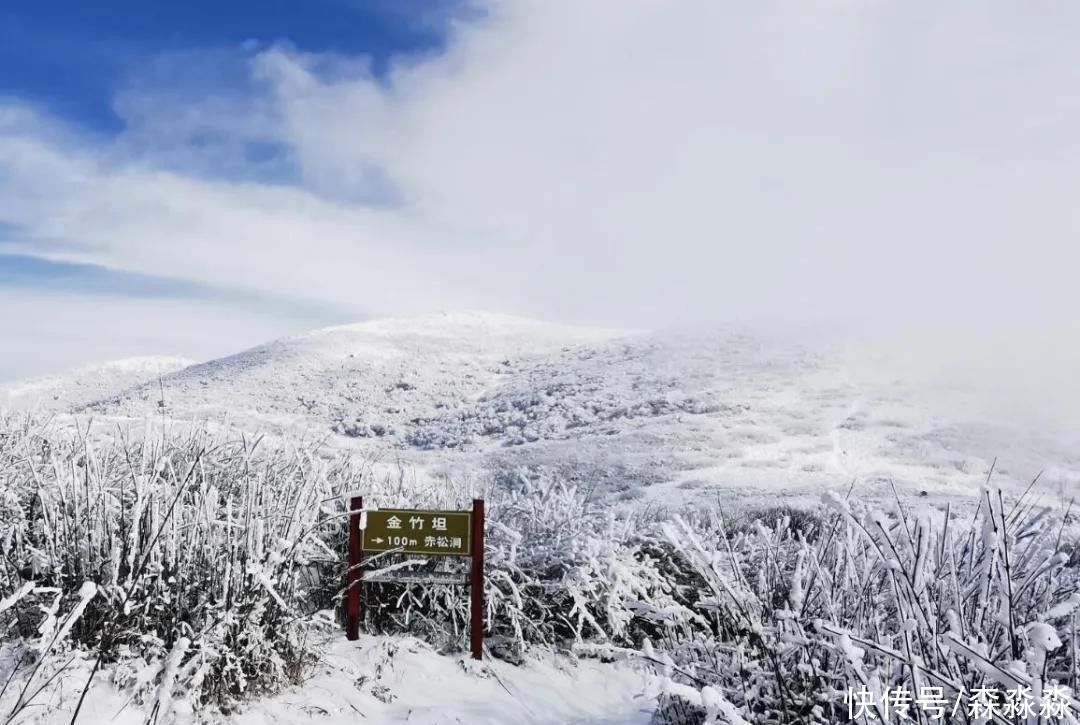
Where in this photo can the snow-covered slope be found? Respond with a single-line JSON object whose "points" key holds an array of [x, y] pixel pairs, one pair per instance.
{"points": [[667, 418], [366, 380], [87, 384]]}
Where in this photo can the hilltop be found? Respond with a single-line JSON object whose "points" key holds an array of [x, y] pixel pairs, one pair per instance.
{"points": [[668, 417]]}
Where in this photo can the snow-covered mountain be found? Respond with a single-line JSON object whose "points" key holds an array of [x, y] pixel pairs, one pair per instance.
{"points": [[659, 417], [87, 384]]}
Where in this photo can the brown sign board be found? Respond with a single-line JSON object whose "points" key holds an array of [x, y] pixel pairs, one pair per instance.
{"points": [[412, 531], [431, 533]]}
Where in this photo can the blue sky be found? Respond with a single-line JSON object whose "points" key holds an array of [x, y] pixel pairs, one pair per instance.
{"points": [[70, 59], [70, 56], [76, 65], [191, 178]]}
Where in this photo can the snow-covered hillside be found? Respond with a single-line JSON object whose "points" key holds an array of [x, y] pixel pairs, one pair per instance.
{"points": [[612, 430], [87, 384], [670, 418]]}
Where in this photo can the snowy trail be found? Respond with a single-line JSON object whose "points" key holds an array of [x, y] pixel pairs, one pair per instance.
{"points": [[383, 681], [380, 680]]}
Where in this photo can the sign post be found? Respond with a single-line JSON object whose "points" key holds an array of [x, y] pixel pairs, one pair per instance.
{"points": [[354, 573], [421, 532], [476, 617]]}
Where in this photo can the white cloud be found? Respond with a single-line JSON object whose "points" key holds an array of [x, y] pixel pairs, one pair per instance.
{"points": [[42, 334], [634, 162]]}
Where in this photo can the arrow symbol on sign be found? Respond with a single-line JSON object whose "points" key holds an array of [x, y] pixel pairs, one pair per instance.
{"points": [[377, 541]]}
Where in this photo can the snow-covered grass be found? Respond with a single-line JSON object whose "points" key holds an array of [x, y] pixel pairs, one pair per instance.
{"points": [[867, 602], [192, 571], [204, 555], [213, 564]]}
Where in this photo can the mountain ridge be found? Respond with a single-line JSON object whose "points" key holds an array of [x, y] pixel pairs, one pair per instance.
{"points": [[635, 415]]}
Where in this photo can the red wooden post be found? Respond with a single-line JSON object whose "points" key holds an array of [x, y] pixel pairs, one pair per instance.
{"points": [[476, 579], [354, 572]]}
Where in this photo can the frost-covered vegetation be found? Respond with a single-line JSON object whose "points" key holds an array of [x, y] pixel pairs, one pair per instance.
{"points": [[198, 558], [804, 620], [670, 417], [192, 572]]}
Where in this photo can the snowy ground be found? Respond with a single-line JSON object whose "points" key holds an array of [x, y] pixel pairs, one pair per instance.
{"points": [[399, 680], [638, 417], [386, 680]]}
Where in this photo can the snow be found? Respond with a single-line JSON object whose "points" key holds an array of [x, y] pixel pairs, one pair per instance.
{"points": [[376, 680], [57, 701], [87, 384], [390, 680], [637, 417], [1061, 609], [1043, 637]]}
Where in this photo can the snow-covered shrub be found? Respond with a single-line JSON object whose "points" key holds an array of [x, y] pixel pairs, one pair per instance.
{"points": [[205, 554], [210, 553], [559, 570], [802, 625]]}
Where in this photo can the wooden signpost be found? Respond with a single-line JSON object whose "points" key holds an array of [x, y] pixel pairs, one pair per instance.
{"points": [[419, 532]]}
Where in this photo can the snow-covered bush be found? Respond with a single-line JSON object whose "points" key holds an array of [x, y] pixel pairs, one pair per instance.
{"points": [[559, 571], [205, 554], [820, 626], [210, 555]]}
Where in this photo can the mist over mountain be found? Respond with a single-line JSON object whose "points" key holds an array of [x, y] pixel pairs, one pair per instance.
{"points": [[652, 417]]}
